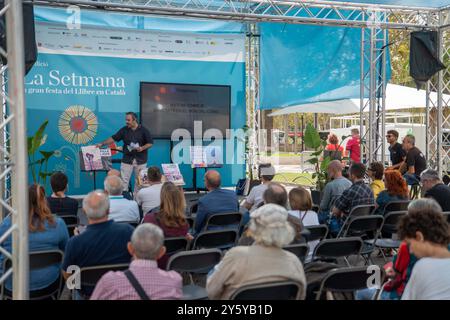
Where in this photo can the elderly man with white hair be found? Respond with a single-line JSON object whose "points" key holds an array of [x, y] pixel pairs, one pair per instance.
{"points": [[121, 209], [143, 280], [103, 242], [434, 188], [264, 261]]}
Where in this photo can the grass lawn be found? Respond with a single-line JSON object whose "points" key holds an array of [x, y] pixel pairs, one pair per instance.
{"points": [[304, 179]]}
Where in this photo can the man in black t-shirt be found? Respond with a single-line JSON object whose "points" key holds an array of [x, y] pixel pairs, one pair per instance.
{"points": [[136, 140], [415, 160], [395, 149], [434, 188]]}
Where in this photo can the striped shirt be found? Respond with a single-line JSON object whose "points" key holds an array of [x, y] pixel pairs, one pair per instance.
{"points": [[157, 283]]}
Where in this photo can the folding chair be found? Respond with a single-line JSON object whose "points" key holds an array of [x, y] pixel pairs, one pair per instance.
{"points": [[315, 208], [300, 250], [194, 262], [175, 244], [415, 191], [191, 221], [401, 205], [332, 249], [282, 290], [358, 211], [348, 280], [318, 232], [220, 239], [39, 260], [224, 220], [71, 223], [389, 227], [367, 228], [134, 224], [89, 276], [447, 214]]}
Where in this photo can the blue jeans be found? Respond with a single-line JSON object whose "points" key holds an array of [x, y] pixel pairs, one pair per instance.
{"points": [[369, 294], [324, 217], [411, 179]]}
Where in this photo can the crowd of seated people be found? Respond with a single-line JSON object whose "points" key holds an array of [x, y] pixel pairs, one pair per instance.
{"points": [[274, 218]]}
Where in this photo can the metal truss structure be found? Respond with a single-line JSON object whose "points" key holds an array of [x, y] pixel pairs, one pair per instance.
{"points": [[13, 151], [374, 20]]}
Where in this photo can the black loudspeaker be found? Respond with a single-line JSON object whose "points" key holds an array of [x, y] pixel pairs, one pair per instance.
{"points": [[28, 32], [424, 61]]}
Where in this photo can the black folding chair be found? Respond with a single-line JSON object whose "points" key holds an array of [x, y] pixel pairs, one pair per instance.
{"points": [[220, 239], [318, 232], [71, 222], [282, 290], [349, 280], [194, 207], [447, 214], [134, 224], [175, 244], [191, 221], [367, 228], [401, 205], [315, 208], [333, 249], [89, 276], [358, 211], [221, 220], [39, 260], [389, 227], [300, 250], [194, 262]]}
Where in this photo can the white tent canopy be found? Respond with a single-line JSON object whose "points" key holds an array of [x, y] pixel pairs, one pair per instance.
{"points": [[397, 97]]}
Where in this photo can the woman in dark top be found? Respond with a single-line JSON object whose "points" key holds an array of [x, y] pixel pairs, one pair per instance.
{"points": [[171, 216], [58, 202]]}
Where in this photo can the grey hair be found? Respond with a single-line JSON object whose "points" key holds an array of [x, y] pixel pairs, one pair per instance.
{"points": [[113, 185], [147, 240], [430, 174], [269, 226], [96, 205], [411, 139], [424, 204]]}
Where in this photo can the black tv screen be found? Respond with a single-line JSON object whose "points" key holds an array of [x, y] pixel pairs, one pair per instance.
{"points": [[166, 107]]}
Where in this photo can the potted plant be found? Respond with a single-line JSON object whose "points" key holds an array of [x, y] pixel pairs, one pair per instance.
{"points": [[313, 141], [39, 167]]}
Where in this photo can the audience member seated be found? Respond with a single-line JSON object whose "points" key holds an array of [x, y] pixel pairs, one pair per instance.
{"points": [[171, 216], [217, 200], [255, 197], [150, 197], [375, 172], [433, 187], [358, 194], [126, 194], [415, 160], [264, 261], [146, 247], [332, 190], [301, 208], [103, 242], [428, 235], [396, 190], [58, 202], [120, 209], [46, 232]]}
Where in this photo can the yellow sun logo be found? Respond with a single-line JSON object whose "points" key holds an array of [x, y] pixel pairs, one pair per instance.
{"points": [[78, 125]]}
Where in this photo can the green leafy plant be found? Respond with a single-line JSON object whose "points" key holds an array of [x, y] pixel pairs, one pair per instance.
{"points": [[38, 159], [313, 141]]}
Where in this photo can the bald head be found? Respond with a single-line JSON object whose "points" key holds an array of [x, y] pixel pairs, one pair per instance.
{"points": [[114, 172], [212, 180], [335, 169], [275, 193]]}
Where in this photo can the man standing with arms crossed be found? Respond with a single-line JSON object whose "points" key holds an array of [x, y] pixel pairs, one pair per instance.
{"points": [[136, 141]]}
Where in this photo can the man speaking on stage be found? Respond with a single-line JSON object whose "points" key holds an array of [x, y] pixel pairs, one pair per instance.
{"points": [[136, 140]]}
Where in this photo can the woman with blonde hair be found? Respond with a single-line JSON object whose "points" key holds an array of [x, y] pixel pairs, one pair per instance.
{"points": [[46, 232], [264, 261], [171, 216]]}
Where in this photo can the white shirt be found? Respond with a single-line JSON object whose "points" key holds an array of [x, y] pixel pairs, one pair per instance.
{"points": [[430, 280], [123, 210], [255, 196], [308, 218], [149, 197]]}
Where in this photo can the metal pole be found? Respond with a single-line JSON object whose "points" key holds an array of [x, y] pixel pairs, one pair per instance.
{"points": [[383, 99], [2, 144], [361, 96], [440, 110], [295, 131], [15, 44], [372, 102]]}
